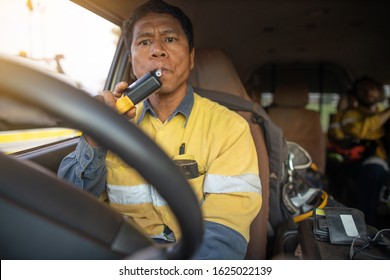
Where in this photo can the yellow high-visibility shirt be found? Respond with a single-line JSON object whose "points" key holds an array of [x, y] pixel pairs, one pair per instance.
{"points": [[219, 140], [361, 124]]}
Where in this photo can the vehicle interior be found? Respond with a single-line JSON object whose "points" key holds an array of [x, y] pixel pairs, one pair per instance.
{"points": [[283, 65]]}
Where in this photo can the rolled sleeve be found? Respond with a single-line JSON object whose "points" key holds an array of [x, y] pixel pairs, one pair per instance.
{"points": [[85, 168]]}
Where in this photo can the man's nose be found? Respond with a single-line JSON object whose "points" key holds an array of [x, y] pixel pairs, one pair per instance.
{"points": [[158, 50]]}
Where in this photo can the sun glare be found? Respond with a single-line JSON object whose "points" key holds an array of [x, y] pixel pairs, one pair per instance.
{"points": [[61, 36]]}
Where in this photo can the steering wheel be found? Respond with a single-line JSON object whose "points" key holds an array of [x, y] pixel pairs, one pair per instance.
{"points": [[38, 209]]}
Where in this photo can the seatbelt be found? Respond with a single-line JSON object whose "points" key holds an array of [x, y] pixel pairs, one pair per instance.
{"points": [[274, 140]]}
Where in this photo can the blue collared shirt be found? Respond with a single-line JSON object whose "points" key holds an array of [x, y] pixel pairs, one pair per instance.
{"points": [[184, 108]]}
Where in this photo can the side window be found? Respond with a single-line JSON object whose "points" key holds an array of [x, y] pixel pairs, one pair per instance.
{"points": [[326, 104], [266, 99], [64, 39], [386, 103]]}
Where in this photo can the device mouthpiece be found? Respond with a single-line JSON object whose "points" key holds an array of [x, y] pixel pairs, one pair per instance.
{"points": [[158, 72], [139, 90]]}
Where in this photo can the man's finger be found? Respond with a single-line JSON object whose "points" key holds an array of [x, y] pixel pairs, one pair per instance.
{"points": [[131, 113], [108, 98], [119, 88]]}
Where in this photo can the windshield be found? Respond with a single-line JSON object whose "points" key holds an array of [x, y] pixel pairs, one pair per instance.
{"points": [[77, 48]]}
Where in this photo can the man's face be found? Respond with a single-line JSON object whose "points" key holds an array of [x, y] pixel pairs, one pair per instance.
{"points": [[368, 93], [159, 42]]}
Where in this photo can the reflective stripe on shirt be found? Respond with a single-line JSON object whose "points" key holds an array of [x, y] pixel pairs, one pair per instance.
{"points": [[231, 184], [139, 194]]}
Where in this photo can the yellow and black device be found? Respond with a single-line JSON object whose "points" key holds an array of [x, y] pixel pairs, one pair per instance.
{"points": [[139, 90]]}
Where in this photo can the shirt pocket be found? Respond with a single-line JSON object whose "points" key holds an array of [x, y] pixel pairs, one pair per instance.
{"points": [[197, 186]]}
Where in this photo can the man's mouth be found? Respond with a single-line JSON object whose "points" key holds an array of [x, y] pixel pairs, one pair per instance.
{"points": [[163, 70]]}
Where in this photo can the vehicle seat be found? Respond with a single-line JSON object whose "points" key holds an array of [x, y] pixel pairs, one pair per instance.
{"points": [[215, 71], [299, 124]]}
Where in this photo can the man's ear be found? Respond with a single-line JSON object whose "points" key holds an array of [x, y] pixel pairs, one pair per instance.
{"points": [[192, 58]]}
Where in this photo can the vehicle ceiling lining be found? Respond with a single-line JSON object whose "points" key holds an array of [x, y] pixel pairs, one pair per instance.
{"points": [[270, 29]]}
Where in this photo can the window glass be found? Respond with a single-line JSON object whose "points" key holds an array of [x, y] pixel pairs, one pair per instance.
{"points": [[63, 38], [266, 99], [387, 95], [327, 106]]}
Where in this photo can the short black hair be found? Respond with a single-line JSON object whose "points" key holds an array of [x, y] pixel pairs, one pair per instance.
{"points": [[370, 80], [159, 7]]}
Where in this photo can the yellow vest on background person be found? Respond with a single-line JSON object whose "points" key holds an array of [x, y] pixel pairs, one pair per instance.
{"points": [[363, 125]]}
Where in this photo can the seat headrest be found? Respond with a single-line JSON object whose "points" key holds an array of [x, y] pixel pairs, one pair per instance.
{"points": [[214, 70], [291, 95]]}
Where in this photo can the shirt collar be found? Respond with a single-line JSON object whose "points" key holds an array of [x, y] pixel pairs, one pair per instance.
{"points": [[184, 108]]}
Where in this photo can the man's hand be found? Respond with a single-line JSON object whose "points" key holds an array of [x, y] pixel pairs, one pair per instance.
{"points": [[109, 98]]}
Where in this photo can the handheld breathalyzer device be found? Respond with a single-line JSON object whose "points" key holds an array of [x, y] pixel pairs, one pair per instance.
{"points": [[139, 90]]}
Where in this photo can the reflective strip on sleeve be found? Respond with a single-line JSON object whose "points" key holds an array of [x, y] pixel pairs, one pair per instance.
{"points": [[335, 125], [377, 161], [230, 184], [347, 121], [139, 194]]}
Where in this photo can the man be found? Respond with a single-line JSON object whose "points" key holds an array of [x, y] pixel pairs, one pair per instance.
{"points": [[184, 125], [363, 125]]}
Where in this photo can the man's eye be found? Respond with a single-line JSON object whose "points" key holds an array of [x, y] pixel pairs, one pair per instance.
{"points": [[144, 42], [170, 39]]}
